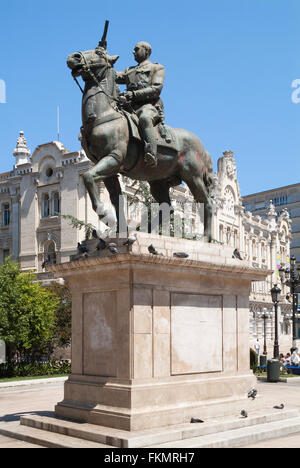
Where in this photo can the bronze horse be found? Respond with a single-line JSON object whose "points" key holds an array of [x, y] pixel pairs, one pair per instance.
{"points": [[109, 143]]}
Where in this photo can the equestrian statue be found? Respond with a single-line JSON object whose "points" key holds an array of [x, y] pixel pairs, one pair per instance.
{"points": [[125, 133]]}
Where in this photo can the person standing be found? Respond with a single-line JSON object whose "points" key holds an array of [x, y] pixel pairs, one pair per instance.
{"points": [[257, 346]]}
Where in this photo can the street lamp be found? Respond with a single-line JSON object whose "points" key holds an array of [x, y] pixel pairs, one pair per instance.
{"points": [[265, 315], [292, 278], [275, 293]]}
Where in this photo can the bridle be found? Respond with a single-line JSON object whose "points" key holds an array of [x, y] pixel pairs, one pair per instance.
{"points": [[87, 69]]}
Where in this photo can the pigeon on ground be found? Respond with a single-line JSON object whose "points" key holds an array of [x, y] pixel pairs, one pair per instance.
{"points": [[279, 407], [113, 248], [244, 414], [101, 244], [236, 254], [252, 394], [196, 420], [131, 240], [152, 250], [82, 248], [180, 254]]}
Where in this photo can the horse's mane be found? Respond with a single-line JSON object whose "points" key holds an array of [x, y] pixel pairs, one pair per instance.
{"points": [[112, 88]]}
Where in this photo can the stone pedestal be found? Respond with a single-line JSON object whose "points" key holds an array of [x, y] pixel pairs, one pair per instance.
{"points": [[157, 340]]}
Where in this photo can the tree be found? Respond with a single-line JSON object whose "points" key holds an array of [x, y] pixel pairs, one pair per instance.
{"points": [[61, 337], [27, 311]]}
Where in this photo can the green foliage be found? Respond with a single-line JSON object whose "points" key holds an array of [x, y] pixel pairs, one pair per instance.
{"points": [[253, 360], [142, 194], [27, 311], [62, 317], [78, 224], [28, 368]]}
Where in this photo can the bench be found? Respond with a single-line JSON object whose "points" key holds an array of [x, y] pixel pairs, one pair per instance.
{"points": [[293, 370], [264, 368]]}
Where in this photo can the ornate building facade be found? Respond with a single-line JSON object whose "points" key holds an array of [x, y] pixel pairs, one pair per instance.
{"points": [[283, 198], [265, 242], [48, 184]]}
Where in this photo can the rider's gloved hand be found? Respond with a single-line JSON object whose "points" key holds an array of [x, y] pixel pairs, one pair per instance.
{"points": [[126, 97]]}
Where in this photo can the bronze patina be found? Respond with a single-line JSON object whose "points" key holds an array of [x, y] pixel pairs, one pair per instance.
{"points": [[144, 84], [125, 132]]}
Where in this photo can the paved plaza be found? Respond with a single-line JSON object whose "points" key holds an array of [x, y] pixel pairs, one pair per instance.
{"points": [[28, 399], [41, 399]]}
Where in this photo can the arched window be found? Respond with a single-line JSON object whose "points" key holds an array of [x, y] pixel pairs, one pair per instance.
{"points": [[50, 253]]}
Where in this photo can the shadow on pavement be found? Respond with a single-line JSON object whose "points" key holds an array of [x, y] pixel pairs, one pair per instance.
{"points": [[16, 416]]}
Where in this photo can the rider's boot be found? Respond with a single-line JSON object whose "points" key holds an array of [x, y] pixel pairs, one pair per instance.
{"points": [[150, 156]]}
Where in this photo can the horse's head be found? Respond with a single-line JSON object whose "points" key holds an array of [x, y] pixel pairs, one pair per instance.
{"points": [[96, 60]]}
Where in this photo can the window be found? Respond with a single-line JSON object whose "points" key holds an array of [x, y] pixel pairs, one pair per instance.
{"points": [[49, 172], [254, 249], [6, 254], [6, 214], [254, 324], [235, 238], [246, 246], [277, 201], [263, 252], [49, 253], [50, 204], [285, 327], [221, 239], [56, 203], [46, 206], [228, 236]]}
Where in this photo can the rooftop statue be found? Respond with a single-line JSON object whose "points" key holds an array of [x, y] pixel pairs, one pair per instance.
{"points": [[125, 132]]}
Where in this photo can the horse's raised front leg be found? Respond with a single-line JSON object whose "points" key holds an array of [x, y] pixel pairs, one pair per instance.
{"points": [[106, 167]]}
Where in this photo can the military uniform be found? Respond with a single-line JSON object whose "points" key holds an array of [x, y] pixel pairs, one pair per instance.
{"points": [[145, 81]]}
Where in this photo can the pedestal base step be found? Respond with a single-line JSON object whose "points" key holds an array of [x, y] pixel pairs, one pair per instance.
{"points": [[48, 439], [220, 433]]}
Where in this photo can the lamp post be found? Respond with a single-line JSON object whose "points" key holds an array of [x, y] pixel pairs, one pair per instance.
{"points": [[264, 314], [292, 278], [275, 293]]}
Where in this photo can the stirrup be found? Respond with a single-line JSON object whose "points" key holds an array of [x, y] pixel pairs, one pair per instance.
{"points": [[150, 160]]}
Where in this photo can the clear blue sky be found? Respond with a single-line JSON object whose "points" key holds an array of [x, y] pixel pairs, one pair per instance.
{"points": [[229, 69]]}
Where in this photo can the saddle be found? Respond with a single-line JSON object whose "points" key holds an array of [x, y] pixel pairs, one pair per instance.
{"points": [[165, 136]]}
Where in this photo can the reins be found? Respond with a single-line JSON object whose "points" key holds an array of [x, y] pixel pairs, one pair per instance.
{"points": [[93, 76], [96, 80]]}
